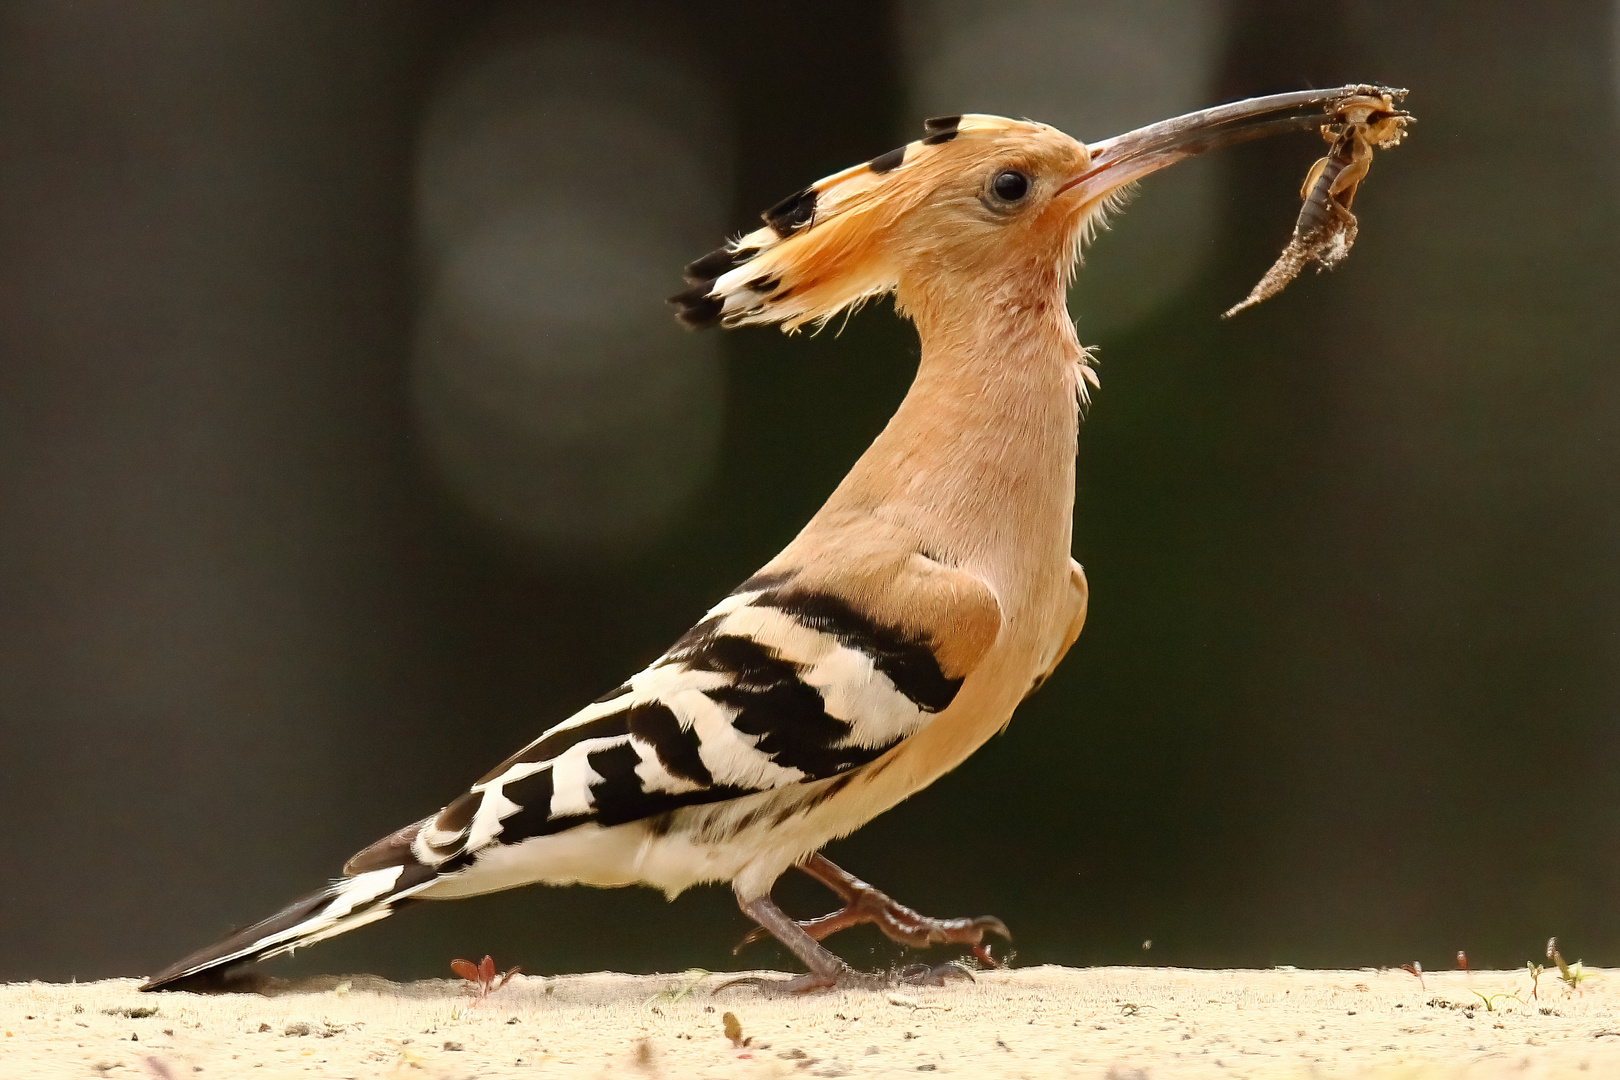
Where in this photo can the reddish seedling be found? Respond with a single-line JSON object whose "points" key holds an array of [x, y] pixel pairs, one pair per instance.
{"points": [[481, 976], [1535, 971], [1415, 969]]}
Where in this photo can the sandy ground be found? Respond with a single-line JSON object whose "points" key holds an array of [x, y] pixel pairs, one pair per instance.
{"points": [[1102, 1023]]}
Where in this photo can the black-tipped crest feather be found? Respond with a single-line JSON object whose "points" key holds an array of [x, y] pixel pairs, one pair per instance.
{"points": [[821, 250], [888, 162], [695, 308], [792, 213], [717, 262]]}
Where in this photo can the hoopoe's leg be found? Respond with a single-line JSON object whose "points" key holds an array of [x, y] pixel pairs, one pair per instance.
{"points": [[865, 903], [826, 970]]}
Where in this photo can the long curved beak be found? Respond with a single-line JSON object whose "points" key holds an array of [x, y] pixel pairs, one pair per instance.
{"points": [[1118, 161]]}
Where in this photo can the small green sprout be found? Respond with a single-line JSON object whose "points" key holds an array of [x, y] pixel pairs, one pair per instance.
{"points": [[676, 993], [1490, 1000], [1571, 975]]}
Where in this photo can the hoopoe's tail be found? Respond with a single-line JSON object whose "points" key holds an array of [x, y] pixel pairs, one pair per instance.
{"points": [[345, 904]]}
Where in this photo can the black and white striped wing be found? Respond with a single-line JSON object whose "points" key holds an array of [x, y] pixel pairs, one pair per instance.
{"points": [[774, 687]]}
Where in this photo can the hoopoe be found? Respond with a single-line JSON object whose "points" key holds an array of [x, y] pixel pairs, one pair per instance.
{"points": [[900, 629]]}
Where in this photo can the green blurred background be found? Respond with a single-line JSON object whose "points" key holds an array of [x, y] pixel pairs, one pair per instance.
{"points": [[345, 443]]}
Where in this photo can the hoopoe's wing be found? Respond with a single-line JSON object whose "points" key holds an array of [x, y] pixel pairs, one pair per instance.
{"points": [[784, 682], [1079, 601]]}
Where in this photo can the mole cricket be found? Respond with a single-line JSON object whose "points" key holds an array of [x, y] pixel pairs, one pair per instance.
{"points": [[1326, 228]]}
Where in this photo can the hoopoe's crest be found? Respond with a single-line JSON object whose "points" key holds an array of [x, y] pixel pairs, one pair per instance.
{"points": [[914, 211]]}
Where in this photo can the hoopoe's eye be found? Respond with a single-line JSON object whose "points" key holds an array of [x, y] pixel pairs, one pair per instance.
{"points": [[1010, 185]]}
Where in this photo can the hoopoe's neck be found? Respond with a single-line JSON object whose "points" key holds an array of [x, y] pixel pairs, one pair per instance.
{"points": [[978, 462]]}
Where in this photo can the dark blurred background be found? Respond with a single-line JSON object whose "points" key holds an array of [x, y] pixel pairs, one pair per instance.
{"points": [[345, 443]]}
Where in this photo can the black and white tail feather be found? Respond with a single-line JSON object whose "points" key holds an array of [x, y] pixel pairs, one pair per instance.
{"points": [[344, 905], [777, 692]]}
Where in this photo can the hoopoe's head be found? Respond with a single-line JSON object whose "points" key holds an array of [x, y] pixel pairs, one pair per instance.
{"points": [[977, 203], [975, 194]]}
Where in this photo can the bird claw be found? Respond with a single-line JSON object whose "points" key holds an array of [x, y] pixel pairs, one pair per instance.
{"points": [[863, 904], [850, 979], [900, 924], [938, 975], [847, 979]]}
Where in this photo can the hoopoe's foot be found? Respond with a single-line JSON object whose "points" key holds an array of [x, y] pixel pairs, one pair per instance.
{"points": [[938, 975], [827, 972], [846, 979], [850, 979], [865, 903]]}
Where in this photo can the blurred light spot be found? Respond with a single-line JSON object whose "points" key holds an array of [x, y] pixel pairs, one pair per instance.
{"points": [[1094, 69], [562, 184]]}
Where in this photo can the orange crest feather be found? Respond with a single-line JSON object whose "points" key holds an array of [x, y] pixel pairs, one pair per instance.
{"points": [[825, 249]]}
